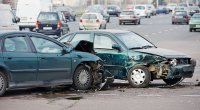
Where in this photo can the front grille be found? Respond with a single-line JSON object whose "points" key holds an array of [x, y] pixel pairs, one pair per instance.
{"points": [[183, 61]]}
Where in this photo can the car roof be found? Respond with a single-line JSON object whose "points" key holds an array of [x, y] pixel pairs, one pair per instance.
{"points": [[107, 30], [3, 33]]}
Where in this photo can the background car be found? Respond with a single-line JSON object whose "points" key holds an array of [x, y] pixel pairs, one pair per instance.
{"points": [[193, 10], [130, 7], [152, 9], [180, 8], [113, 10], [51, 23], [101, 11], [128, 55], [92, 21], [129, 17], [162, 10], [180, 17], [194, 23], [142, 10], [35, 60], [68, 12], [171, 6]]}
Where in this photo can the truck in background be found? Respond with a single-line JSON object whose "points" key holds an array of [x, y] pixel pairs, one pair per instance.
{"points": [[28, 10]]}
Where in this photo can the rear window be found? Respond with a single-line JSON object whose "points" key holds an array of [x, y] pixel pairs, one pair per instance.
{"points": [[197, 16], [48, 16], [140, 7], [89, 16], [127, 13], [180, 13]]}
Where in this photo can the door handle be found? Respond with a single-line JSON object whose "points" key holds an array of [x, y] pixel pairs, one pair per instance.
{"points": [[9, 58]]}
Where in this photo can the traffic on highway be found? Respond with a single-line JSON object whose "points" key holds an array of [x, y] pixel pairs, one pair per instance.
{"points": [[102, 48]]}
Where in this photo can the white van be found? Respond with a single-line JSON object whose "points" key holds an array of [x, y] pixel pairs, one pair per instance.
{"points": [[28, 10], [142, 11]]}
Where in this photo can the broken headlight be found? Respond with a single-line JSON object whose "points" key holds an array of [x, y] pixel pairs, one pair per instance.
{"points": [[173, 62], [138, 57]]}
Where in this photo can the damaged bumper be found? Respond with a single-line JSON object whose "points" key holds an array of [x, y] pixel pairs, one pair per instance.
{"points": [[185, 71]]}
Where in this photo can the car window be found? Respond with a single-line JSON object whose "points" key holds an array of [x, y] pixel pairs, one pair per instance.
{"points": [[16, 44], [103, 42], [65, 38], [140, 7], [46, 46], [89, 16], [81, 36], [127, 13], [180, 13], [48, 16]]}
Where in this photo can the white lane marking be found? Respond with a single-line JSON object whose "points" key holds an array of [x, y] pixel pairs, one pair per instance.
{"points": [[146, 35], [190, 95], [151, 95]]}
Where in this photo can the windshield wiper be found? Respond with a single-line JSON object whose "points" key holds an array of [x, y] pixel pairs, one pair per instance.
{"points": [[147, 46], [135, 48], [142, 47]]}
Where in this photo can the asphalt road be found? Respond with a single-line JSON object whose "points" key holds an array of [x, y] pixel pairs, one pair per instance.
{"points": [[121, 96]]}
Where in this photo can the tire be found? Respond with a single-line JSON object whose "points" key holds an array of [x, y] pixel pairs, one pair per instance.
{"points": [[190, 29], [139, 22], [31, 29], [3, 83], [74, 19], [172, 81], [82, 78], [194, 30], [120, 23], [105, 26], [187, 23], [20, 28], [139, 77], [172, 22]]}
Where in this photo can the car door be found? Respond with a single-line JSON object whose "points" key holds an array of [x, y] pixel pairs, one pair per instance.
{"points": [[64, 24], [115, 60], [19, 58], [52, 63]]}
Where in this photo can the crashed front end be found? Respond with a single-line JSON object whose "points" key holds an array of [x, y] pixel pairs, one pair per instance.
{"points": [[165, 67]]}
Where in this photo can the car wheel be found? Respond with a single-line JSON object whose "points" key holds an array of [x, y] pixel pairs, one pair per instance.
{"points": [[3, 83], [120, 23], [74, 19], [190, 29], [31, 29], [146, 16], [187, 22], [149, 17], [194, 30], [172, 81], [139, 21], [172, 22], [82, 78], [20, 28], [105, 26], [139, 77]]}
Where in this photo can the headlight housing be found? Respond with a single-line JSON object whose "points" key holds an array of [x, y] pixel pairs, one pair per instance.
{"points": [[137, 57], [173, 62]]}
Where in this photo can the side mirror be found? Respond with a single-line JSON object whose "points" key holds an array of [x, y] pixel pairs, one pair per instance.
{"points": [[116, 46], [17, 19], [66, 50]]}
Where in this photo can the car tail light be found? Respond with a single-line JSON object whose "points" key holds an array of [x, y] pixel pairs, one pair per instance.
{"points": [[81, 20], [186, 17], [59, 24], [97, 21], [133, 16], [36, 25]]}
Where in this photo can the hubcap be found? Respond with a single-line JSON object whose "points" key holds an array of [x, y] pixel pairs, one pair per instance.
{"points": [[138, 76], [1, 83], [83, 77]]}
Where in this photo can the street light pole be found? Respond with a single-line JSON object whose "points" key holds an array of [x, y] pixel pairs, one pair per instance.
{"points": [[92, 2]]}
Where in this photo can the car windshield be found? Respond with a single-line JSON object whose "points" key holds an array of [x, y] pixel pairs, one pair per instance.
{"points": [[134, 41], [127, 13], [6, 17], [48, 16], [196, 16], [89, 16], [194, 8], [140, 7]]}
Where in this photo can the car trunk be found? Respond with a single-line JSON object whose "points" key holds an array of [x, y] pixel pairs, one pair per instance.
{"points": [[48, 25]]}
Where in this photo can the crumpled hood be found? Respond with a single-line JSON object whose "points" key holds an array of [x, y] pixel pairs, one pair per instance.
{"points": [[163, 52]]}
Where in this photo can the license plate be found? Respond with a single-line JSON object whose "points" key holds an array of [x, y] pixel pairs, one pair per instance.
{"points": [[89, 21], [47, 28], [197, 25], [179, 17]]}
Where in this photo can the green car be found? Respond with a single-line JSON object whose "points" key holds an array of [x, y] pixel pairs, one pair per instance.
{"points": [[35, 60], [194, 22], [127, 55]]}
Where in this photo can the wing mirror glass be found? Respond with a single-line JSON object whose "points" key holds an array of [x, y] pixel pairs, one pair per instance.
{"points": [[116, 46]]}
